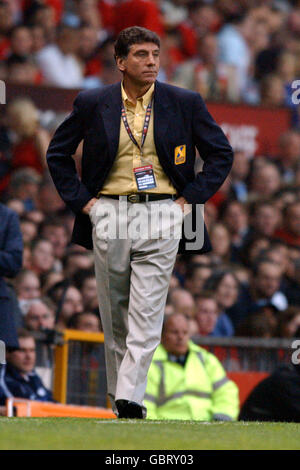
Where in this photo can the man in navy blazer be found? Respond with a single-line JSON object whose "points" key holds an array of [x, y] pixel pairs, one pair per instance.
{"points": [[181, 120], [11, 250]]}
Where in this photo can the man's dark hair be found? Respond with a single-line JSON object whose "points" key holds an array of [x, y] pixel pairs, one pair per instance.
{"points": [[24, 333], [133, 35], [192, 269], [205, 294]]}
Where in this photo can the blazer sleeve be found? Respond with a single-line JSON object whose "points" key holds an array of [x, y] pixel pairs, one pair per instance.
{"points": [[215, 152], [12, 251], [60, 161]]}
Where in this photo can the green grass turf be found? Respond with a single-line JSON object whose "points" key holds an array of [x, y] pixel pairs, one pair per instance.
{"points": [[87, 434]]}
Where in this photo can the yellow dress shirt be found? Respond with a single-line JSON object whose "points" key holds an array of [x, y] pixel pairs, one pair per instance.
{"points": [[121, 179]]}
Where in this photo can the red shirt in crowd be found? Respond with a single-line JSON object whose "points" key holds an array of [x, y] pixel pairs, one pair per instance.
{"points": [[138, 12]]}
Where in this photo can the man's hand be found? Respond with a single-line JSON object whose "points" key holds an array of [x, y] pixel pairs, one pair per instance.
{"points": [[183, 203], [86, 209]]}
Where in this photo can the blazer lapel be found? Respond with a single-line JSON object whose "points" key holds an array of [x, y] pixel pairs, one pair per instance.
{"points": [[111, 113]]}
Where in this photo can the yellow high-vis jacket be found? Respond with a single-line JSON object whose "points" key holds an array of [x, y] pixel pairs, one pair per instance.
{"points": [[199, 390]]}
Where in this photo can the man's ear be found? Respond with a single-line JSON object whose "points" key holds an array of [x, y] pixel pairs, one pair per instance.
{"points": [[120, 61]]}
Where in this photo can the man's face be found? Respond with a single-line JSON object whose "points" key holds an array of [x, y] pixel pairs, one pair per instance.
{"points": [[24, 358], [206, 315], [72, 303], [268, 279], [293, 220], [176, 335], [29, 287], [141, 64], [42, 256], [88, 322], [39, 317], [266, 220]]}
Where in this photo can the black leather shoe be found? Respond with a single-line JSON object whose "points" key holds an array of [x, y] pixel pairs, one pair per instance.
{"points": [[129, 409]]}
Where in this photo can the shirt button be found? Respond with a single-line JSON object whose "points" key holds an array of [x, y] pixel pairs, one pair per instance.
{"points": [[137, 114]]}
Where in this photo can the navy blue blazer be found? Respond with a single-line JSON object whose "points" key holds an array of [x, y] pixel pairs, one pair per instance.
{"points": [[11, 251], [180, 118]]}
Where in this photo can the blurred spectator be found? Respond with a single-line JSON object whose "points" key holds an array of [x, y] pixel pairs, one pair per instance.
{"points": [[220, 239], [85, 281], [55, 232], [187, 382], [11, 247], [6, 23], [239, 173], [272, 91], [19, 378], [256, 325], [30, 140], [49, 280], [265, 181], [264, 289], [24, 186], [144, 13], [88, 50], [40, 315], [43, 15], [289, 148], [196, 276], [225, 285], [68, 300], [21, 70], [276, 398], [58, 62], [265, 219], [183, 302], [27, 285], [289, 323], [20, 41], [76, 260], [235, 216], [204, 74], [85, 321], [292, 287], [28, 229], [49, 202], [290, 232], [211, 322], [234, 39], [42, 256], [38, 38]]}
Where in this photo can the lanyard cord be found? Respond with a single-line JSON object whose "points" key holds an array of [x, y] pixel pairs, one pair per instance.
{"points": [[145, 127]]}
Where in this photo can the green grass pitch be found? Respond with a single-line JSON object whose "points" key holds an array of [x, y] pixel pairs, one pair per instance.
{"points": [[88, 434]]}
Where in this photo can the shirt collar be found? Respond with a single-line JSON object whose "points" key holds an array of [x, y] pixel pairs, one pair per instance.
{"points": [[146, 98]]}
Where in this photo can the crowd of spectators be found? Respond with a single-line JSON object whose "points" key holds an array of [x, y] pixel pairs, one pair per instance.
{"points": [[238, 51], [249, 285]]}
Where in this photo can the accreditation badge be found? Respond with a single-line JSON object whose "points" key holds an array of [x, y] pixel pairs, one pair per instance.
{"points": [[180, 154], [145, 178]]}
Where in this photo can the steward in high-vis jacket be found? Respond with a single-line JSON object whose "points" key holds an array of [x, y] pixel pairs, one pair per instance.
{"points": [[186, 381]]}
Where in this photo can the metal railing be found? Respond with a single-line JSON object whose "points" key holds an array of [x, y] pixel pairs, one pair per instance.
{"points": [[75, 360], [248, 354]]}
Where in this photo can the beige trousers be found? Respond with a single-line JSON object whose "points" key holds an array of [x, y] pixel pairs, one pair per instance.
{"points": [[135, 247]]}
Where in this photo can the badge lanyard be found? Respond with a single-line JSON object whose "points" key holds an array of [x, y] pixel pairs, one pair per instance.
{"points": [[145, 127], [144, 175]]}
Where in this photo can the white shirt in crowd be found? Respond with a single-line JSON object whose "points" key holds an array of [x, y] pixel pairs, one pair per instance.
{"points": [[59, 69]]}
